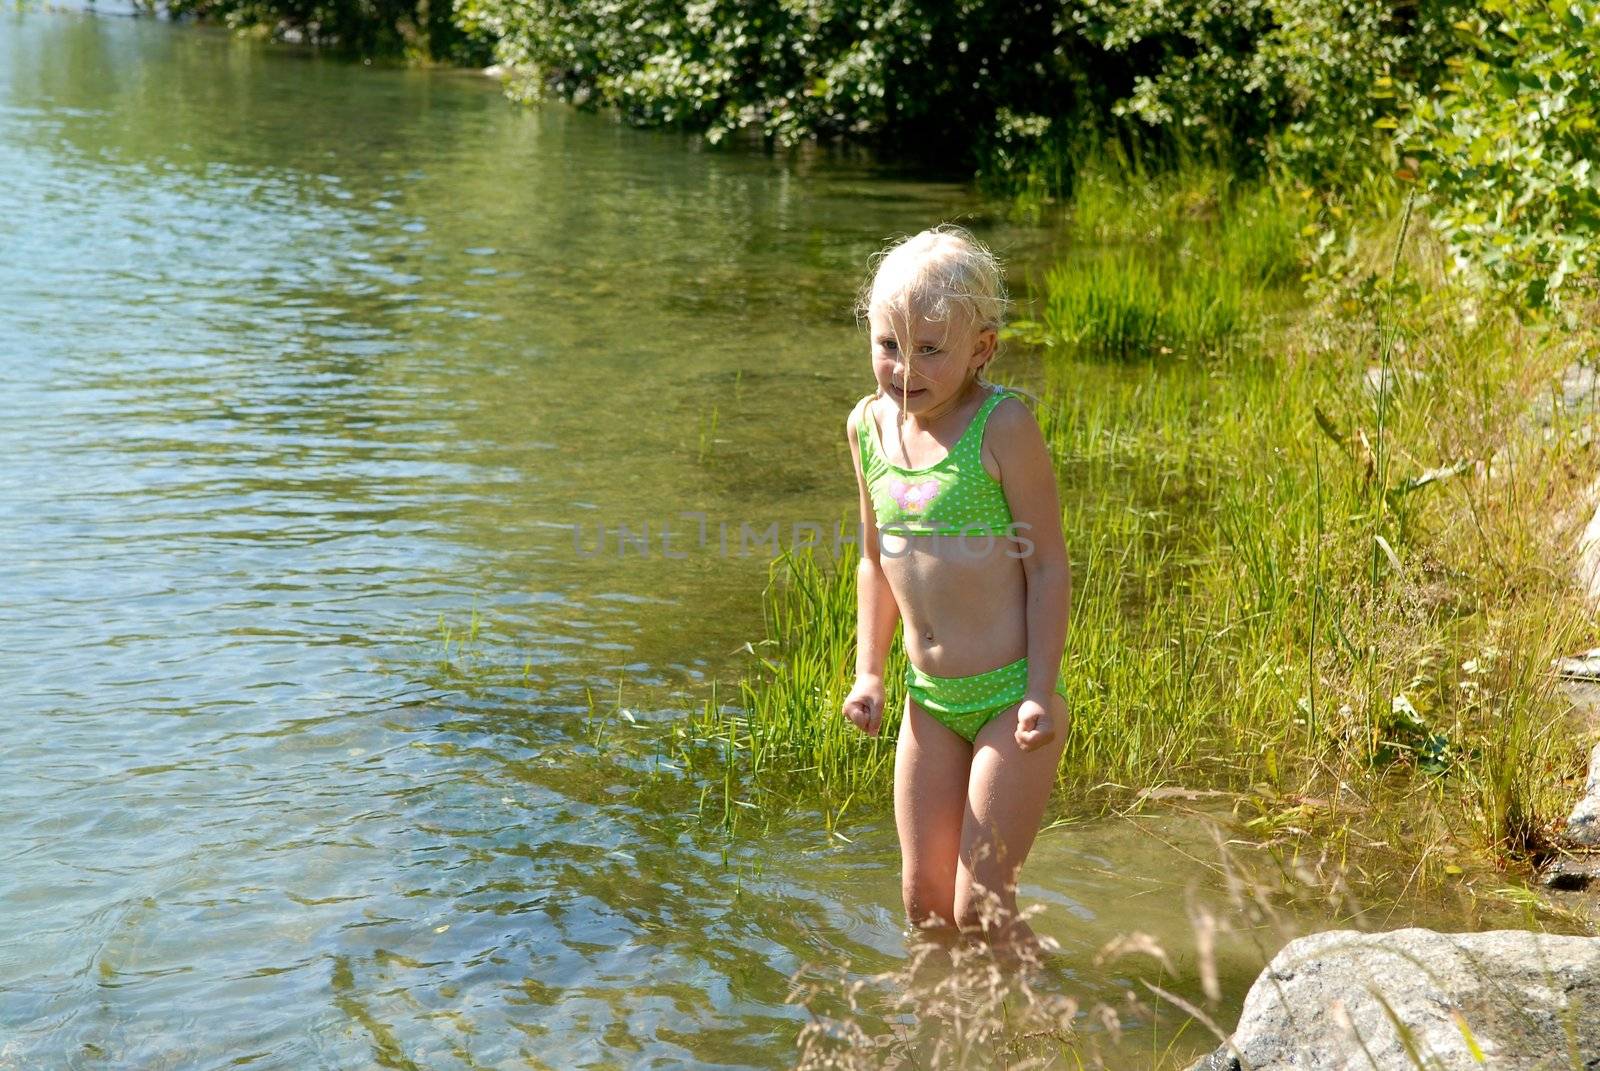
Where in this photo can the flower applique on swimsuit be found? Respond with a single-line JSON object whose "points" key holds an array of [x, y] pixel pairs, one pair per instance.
{"points": [[913, 497]]}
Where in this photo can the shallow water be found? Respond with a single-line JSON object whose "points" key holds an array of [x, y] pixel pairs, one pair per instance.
{"points": [[303, 359]]}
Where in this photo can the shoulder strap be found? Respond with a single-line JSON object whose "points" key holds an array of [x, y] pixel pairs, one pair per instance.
{"points": [[864, 430], [972, 439]]}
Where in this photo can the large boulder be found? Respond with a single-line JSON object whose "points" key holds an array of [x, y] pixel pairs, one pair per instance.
{"points": [[1414, 999]]}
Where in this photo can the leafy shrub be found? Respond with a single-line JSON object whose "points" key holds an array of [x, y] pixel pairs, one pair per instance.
{"points": [[909, 70], [1016, 90], [1506, 146], [1307, 82]]}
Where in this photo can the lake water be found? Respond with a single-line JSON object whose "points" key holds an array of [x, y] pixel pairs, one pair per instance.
{"points": [[303, 359]]}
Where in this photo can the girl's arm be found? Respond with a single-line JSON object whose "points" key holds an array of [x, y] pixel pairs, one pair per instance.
{"points": [[1029, 480], [876, 611]]}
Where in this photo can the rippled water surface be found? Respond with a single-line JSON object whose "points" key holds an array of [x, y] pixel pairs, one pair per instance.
{"points": [[303, 359]]}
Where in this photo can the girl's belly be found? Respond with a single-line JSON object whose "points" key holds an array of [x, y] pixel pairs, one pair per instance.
{"points": [[962, 612]]}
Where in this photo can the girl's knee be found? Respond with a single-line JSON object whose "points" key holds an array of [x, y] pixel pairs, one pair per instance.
{"points": [[978, 907], [929, 905], [970, 903]]}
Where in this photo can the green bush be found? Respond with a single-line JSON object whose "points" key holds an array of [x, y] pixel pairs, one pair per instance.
{"points": [[1307, 82], [1014, 90], [916, 74], [1506, 146]]}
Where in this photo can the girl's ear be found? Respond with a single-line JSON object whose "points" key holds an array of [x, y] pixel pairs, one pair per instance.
{"points": [[985, 345]]}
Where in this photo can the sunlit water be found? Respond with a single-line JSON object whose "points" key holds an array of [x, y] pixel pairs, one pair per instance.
{"points": [[301, 358]]}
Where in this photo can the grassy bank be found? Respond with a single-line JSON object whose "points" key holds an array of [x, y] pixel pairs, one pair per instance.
{"points": [[1318, 543]]}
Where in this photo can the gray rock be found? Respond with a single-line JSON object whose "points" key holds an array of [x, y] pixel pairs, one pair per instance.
{"points": [[1578, 394], [1584, 699], [1570, 875], [1580, 667], [1531, 1002], [1586, 564], [1583, 825]]}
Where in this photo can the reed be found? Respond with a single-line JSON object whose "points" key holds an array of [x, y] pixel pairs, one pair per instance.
{"points": [[1109, 305]]}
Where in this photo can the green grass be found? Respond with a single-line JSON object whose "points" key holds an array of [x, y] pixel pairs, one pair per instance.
{"points": [[785, 735], [1121, 306], [1340, 605], [1109, 305], [1184, 264]]}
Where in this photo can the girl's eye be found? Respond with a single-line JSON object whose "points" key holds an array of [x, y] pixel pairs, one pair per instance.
{"points": [[888, 345]]}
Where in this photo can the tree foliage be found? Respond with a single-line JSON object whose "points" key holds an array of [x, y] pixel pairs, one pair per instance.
{"points": [[1506, 145], [988, 80], [926, 77], [1309, 82]]}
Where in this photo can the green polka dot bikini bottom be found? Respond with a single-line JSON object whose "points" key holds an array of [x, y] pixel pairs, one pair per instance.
{"points": [[966, 704]]}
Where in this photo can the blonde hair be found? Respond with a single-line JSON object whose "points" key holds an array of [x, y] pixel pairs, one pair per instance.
{"points": [[939, 273]]}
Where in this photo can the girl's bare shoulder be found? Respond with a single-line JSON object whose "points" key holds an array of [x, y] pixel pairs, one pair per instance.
{"points": [[861, 410], [1012, 419]]}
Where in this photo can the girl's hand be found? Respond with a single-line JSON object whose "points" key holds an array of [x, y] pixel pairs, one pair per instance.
{"points": [[864, 705], [1034, 725]]}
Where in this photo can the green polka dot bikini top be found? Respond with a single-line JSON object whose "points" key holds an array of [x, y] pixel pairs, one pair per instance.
{"points": [[953, 496]]}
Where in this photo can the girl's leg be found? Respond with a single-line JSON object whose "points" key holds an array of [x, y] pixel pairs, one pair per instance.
{"points": [[931, 766], [1005, 801]]}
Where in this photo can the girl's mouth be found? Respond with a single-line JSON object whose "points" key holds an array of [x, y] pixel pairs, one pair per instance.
{"points": [[898, 393]]}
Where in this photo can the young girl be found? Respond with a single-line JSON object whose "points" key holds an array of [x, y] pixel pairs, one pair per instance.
{"points": [[962, 542]]}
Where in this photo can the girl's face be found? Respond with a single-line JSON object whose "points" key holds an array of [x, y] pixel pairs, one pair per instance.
{"points": [[923, 363]]}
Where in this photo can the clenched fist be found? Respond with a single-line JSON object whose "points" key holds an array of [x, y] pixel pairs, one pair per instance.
{"points": [[864, 705], [1035, 727]]}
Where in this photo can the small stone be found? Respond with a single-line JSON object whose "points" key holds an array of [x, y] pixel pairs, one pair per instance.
{"points": [[1583, 825], [1586, 567], [1377, 381], [1570, 875], [1580, 667], [1579, 393], [1584, 695]]}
